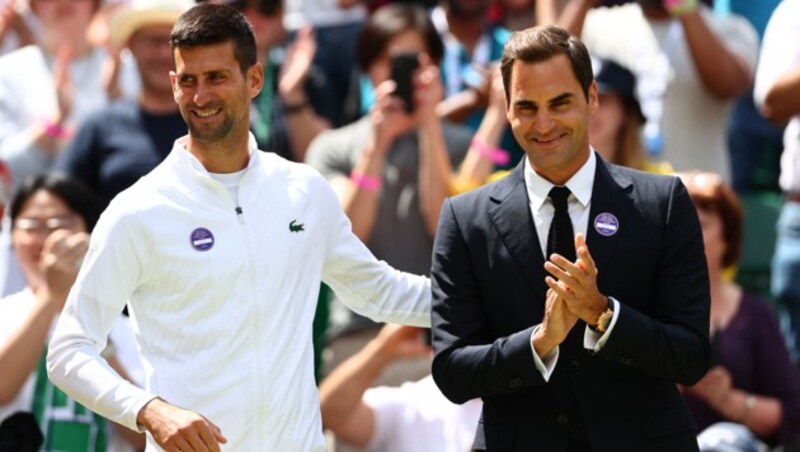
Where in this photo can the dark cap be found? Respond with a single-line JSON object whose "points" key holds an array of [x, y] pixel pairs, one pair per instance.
{"points": [[614, 78]]}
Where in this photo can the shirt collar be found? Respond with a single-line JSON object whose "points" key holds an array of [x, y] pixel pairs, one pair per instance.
{"points": [[187, 157], [580, 184]]}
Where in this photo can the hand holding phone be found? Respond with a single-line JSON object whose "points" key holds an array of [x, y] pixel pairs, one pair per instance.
{"points": [[403, 67]]}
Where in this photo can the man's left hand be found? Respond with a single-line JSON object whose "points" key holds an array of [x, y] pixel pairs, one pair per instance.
{"points": [[576, 282]]}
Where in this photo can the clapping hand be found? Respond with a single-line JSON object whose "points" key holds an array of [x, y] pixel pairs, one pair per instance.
{"points": [[576, 282], [62, 255], [714, 387]]}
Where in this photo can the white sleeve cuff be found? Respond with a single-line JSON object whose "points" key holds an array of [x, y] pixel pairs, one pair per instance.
{"points": [[545, 365], [595, 341]]}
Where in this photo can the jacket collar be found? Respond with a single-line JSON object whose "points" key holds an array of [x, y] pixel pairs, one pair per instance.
{"points": [[186, 159], [510, 213]]}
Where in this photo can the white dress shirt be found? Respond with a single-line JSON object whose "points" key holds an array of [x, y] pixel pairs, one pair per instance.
{"points": [[542, 210]]}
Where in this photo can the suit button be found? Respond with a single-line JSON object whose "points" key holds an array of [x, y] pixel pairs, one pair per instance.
{"points": [[515, 383], [574, 364], [562, 419]]}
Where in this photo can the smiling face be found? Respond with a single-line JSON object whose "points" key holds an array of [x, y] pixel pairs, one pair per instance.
{"points": [[39, 216], [150, 47], [549, 116], [212, 92]]}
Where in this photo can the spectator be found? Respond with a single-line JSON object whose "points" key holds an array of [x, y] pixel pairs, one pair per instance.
{"points": [[412, 417], [751, 381], [14, 29], [391, 169], [472, 47], [616, 130], [777, 93], [690, 65], [51, 217], [754, 143], [336, 25], [485, 154], [46, 90], [124, 140], [282, 117]]}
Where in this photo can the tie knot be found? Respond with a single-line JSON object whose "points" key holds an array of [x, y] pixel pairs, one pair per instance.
{"points": [[558, 196]]}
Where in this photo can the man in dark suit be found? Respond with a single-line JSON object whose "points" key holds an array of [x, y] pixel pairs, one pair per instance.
{"points": [[583, 350]]}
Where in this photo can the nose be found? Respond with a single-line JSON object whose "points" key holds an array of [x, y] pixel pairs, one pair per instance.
{"points": [[543, 122], [202, 96]]}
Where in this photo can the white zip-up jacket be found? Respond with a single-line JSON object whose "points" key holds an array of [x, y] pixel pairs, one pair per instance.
{"points": [[222, 302]]}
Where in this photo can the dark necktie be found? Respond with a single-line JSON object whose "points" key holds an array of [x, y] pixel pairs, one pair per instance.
{"points": [[561, 238]]}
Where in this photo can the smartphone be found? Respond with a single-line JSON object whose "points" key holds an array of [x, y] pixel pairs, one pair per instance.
{"points": [[403, 67]]}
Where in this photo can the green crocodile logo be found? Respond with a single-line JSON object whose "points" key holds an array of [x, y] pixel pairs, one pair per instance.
{"points": [[295, 227]]}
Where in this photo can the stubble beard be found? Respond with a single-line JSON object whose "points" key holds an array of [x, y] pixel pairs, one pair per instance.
{"points": [[212, 135]]}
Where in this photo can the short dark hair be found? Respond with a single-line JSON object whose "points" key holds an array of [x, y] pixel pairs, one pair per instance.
{"points": [[390, 21], [77, 196], [537, 44], [712, 194], [208, 24]]}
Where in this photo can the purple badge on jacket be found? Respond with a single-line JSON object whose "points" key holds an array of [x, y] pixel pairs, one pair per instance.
{"points": [[606, 224], [202, 239]]}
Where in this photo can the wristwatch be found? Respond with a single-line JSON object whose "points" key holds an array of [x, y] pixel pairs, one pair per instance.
{"points": [[604, 319]]}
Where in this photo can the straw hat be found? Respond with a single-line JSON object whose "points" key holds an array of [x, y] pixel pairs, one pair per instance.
{"points": [[140, 13]]}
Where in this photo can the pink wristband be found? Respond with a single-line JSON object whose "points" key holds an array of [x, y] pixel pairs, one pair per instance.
{"points": [[54, 130], [679, 7], [497, 156], [369, 183]]}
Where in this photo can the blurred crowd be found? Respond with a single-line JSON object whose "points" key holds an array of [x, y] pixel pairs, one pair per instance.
{"points": [[707, 90]]}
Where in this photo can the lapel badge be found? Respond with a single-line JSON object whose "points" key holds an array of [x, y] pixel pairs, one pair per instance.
{"points": [[606, 224]]}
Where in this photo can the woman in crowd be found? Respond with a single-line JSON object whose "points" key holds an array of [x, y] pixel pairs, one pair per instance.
{"points": [[751, 381], [616, 130], [51, 217]]}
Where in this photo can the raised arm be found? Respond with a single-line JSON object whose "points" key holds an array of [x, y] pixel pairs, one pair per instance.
{"points": [[344, 411], [777, 86], [303, 123], [21, 352], [435, 172], [724, 73]]}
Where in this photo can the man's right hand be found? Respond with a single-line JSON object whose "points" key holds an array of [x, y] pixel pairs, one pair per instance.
{"points": [[556, 325], [176, 429]]}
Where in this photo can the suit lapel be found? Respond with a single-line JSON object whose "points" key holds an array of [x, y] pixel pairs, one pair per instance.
{"points": [[510, 213], [612, 203]]}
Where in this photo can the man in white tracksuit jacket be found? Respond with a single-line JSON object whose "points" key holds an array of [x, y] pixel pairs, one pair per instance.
{"points": [[218, 254]]}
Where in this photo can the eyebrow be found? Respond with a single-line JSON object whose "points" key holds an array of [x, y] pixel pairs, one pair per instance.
{"points": [[203, 74], [525, 103]]}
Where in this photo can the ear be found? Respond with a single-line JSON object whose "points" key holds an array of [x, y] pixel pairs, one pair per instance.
{"points": [[593, 99], [173, 79], [255, 79]]}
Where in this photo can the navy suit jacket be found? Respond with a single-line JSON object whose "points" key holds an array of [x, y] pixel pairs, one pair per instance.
{"points": [[489, 291]]}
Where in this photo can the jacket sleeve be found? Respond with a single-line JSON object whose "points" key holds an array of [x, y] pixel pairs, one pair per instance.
{"points": [[466, 364], [108, 277], [366, 285], [672, 341]]}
